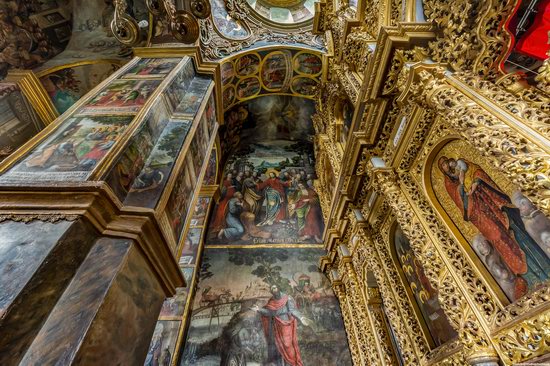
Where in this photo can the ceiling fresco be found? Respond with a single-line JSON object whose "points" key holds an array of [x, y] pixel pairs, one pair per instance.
{"points": [[274, 71], [284, 11]]}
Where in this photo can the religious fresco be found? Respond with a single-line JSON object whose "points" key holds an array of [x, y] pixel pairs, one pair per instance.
{"points": [[226, 25], [267, 196], [248, 88], [248, 64], [283, 71], [304, 86], [227, 71], [66, 86], [308, 63], [151, 68], [283, 12], [18, 120], [268, 117], [211, 169], [148, 186], [193, 97], [179, 85], [72, 151], [424, 294], [264, 307], [163, 344], [121, 96], [508, 233], [276, 70]]}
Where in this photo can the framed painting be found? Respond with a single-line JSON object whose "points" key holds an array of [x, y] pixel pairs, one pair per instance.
{"points": [[200, 211], [147, 188], [248, 88], [163, 344], [304, 86], [225, 25], [181, 198], [307, 63], [178, 87], [509, 235], [151, 68], [194, 95], [191, 246], [72, 151], [276, 70], [173, 307], [424, 295], [238, 292], [211, 170], [121, 96], [247, 65]]}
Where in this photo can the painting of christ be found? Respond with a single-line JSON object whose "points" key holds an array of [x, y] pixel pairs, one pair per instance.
{"points": [[264, 307], [504, 228], [267, 196]]}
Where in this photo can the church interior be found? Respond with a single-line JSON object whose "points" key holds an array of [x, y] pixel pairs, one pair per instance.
{"points": [[275, 182]]}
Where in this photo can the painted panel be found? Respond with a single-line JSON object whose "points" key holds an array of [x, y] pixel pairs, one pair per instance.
{"points": [[508, 233], [151, 68], [308, 63], [424, 294], [180, 84], [227, 71], [276, 70], [304, 86], [72, 151], [163, 344], [267, 196], [191, 246], [123, 174], [18, 121], [147, 188], [193, 97], [248, 64], [65, 87], [245, 296], [121, 96], [248, 88], [226, 25], [210, 175]]}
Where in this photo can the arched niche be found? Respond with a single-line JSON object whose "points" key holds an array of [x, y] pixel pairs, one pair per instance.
{"points": [[421, 294], [506, 237]]}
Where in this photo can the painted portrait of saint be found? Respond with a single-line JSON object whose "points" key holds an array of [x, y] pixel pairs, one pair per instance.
{"points": [[505, 230], [424, 293]]}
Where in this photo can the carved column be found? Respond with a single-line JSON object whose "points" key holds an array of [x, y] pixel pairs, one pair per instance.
{"points": [[378, 322], [368, 343], [515, 145], [457, 306], [399, 312], [340, 291]]}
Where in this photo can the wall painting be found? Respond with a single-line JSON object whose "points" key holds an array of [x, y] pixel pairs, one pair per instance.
{"points": [[308, 63], [276, 70], [121, 96], [72, 151], [240, 292], [151, 68], [163, 344], [304, 86], [65, 87], [18, 121], [507, 232], [425, 295], [267, 196], [226, 25], [248, 88], [248, 64]]}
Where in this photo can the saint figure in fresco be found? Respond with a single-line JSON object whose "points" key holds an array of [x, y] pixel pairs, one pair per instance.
{"points": [[491, 211], [280, 321], [274, 199], [308, 213], [234, 228], [227, 191]]}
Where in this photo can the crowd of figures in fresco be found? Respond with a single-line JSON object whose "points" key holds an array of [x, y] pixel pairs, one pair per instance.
{"points": [[268, 196]]}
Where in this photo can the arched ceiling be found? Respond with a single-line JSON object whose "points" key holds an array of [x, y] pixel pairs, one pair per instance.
{"points": [[279, 70]]}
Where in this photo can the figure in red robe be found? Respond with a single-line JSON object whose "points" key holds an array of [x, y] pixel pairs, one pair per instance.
{"points": [[491, 211], [279, 322], [308, 213], [228, 190]]}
